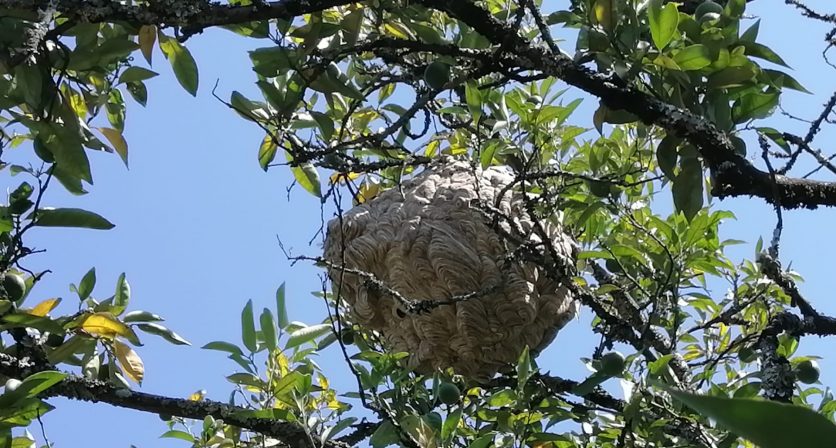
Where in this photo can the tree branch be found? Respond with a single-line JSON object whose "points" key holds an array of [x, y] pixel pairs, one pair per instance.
{"points": [[193, 16], [733, 174], [78, 388]]}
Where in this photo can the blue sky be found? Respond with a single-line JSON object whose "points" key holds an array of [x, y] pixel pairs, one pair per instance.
{"points": [[197, 222]]}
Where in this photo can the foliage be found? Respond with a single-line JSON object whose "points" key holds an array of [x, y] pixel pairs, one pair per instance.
{"points": [[355, 97]]}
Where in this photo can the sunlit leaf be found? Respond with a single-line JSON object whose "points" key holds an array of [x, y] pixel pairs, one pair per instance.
{"points": [[130, 361], [693, 57], [182, 62], [107, 326], [147, 39], [117, 140], [663, 22], [307, 334], [43, 308]]}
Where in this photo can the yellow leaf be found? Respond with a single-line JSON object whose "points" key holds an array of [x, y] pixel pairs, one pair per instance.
{"points": [[344, 177], [329, 397], [432, 148], [43, 308], [323, 382], [368, 191], [105, 325], [283, 363], [118, 141], [397, 30], [604, 11], [131, 363], [197, 396], [76, 101], [147, 38]]}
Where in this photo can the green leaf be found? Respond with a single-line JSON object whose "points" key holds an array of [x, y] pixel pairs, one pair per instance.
{"points": [[26, 320], [735, 8], [88, 282], [663, 22], [244, 107], [147, 36], [224, 347], [589, 384], [693, 57], [732, 76], [248, 327], [486, 158], [483, 441], [70, 217], [385, 435], [777, 137], [182, 62], [141, 316], [281, 307], [177, 434], [667, 155], [273, 61], [138, 92], [332, 81], [24, 412], [451, 423], [307, 334], [307, 176], [268, 329], [781, 79], [65, 146], [122, 296], [31, 386], [751, 34], [247, 379], [267, 152], [134, 74], [163, 332], [23, 442], [767, 424], [473, 96], [763, 52], [687, 188], [755, 105], [523, 368], [333, 431], [117, 140]]}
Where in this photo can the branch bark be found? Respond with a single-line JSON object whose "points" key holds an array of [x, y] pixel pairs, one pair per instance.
{"points": [[192, 16], [78, 388], [733, 174]]}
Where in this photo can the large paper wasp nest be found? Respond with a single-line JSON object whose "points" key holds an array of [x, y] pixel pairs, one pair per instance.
{"points": [[429, 240]]}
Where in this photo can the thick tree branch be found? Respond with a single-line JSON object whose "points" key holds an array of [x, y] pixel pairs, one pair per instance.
{"points": [[193, 16], [78, 388], [733, 174]]}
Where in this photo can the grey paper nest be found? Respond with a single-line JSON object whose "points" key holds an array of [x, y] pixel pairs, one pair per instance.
{"points": [[429, 241]]}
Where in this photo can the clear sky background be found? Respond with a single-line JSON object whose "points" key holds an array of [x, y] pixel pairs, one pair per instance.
{"points": [[197, 222]]}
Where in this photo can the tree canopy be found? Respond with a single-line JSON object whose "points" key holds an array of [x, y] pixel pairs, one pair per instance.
{"points": [[359, 97]]}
